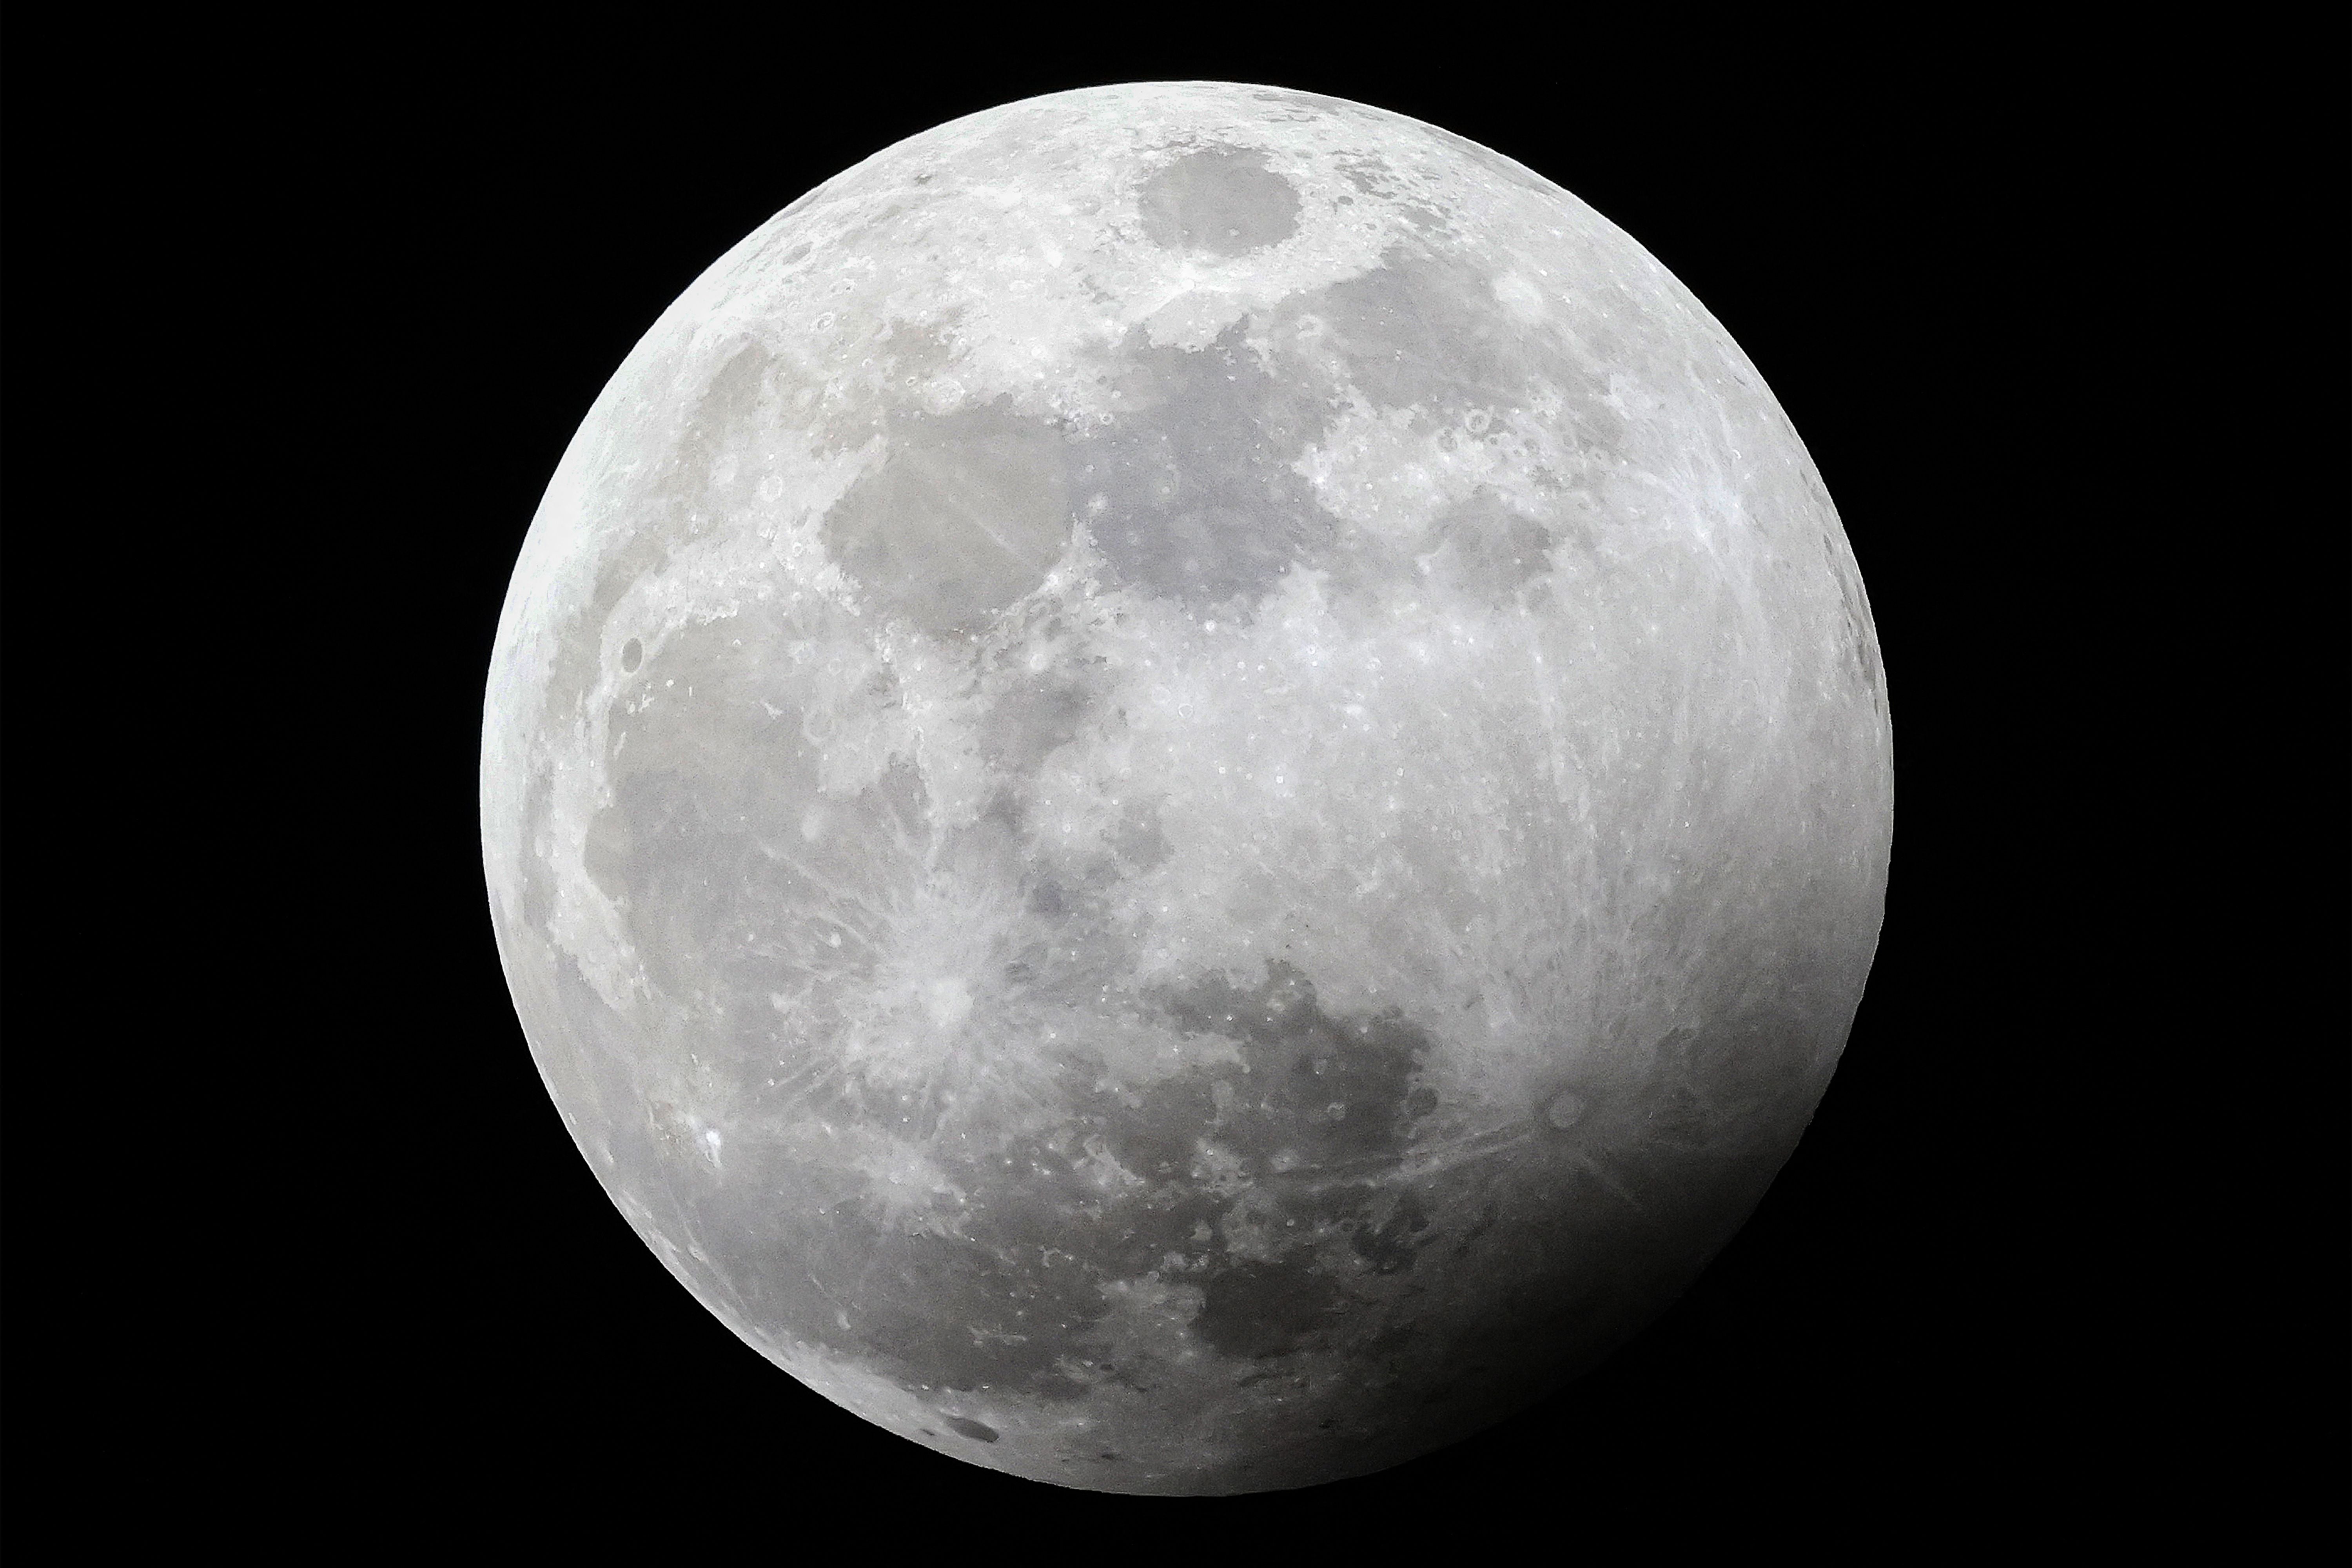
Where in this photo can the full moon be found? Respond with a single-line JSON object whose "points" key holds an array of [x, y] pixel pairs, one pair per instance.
{"points": [[1185, 788]]}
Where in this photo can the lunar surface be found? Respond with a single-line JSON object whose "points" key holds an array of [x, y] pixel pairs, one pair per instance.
{"points": [[1185, 788]]}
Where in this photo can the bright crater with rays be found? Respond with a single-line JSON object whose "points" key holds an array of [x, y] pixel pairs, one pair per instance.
{"points": [[1185, 787]]}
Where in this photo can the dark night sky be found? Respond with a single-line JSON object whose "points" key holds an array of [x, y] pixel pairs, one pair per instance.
{"points": [[2001, 276]]}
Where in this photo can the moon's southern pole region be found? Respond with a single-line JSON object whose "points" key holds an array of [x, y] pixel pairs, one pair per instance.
{"points": [[1185, 787]]}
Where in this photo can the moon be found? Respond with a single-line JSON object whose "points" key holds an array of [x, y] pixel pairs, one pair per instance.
{"points": [[1185, 788]]}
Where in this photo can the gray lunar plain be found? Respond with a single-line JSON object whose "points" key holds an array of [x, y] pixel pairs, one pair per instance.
{"points": [[1186, 787]]}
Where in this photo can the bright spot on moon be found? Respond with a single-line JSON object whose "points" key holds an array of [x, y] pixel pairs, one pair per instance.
{"points": [[1185, 787]]}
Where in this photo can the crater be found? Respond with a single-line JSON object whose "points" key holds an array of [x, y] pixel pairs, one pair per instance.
{"points": [[1566, 1109], [1224, 201], [978, 1431]]}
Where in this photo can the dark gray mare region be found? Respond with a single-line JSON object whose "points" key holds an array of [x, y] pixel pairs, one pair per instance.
{"points": [[1311, 1119]]}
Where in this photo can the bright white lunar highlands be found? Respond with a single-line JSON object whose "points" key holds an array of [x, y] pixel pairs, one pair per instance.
{"points": [[1186, 787]]}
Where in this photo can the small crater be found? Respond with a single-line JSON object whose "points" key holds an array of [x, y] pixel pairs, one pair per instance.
{"points": [[633, 654], [1566, 1109], [978, 1431]]}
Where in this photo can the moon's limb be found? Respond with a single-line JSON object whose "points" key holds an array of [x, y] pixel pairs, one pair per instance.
{"points": [[1184, 786]]}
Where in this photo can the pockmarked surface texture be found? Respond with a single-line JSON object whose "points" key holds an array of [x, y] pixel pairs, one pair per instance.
{"points": [[1186, 787]]}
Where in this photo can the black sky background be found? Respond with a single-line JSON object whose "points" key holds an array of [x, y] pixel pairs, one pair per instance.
{"points": [[2039, 1274]]}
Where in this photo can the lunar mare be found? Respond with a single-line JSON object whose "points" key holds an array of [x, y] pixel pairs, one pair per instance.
{"points": [[1186, 787]]}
